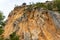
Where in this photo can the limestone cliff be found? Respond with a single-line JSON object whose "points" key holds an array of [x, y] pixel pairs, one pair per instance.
{"points": [[32, 24]]}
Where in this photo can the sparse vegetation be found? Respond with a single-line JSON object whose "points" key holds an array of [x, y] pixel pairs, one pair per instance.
{"points": [[57, 4], [40, 5], [49, 7], [1, 22], [13, 36]]}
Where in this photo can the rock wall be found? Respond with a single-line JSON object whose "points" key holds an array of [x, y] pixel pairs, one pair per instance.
{"points": [[31, 24]]}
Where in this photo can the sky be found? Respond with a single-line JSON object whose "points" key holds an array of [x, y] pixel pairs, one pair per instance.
{"points": [[7, 5]]}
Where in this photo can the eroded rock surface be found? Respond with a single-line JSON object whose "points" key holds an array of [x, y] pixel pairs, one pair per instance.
{"points": [[33, 24]]}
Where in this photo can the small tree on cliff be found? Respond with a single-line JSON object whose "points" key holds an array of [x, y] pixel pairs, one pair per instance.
{"points": [[1, 22], [24, 4], [13, 36], [57, 4]]}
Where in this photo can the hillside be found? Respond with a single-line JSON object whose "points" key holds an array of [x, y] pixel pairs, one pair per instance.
{"points": [[33, 23]]}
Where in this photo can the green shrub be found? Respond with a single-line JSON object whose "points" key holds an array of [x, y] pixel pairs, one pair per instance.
{"points": [[13, 36]]}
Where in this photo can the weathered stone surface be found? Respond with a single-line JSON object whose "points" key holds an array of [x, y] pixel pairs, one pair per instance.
{"points": [[34, 25]]}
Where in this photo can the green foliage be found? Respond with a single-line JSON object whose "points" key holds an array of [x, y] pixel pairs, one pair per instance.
{"points": [[1, 38], [13, 36], [1, 22], [57, 4], [49, 6], [39, 5], [36, 6], [1, 31], [1, 16]]}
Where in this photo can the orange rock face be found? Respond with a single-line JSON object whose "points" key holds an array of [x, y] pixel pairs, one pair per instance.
{"points": [[34, 24]]}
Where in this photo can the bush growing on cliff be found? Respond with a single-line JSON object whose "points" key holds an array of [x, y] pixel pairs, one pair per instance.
{"points": [[24, 4], [1, 22], [57, 4], [1, 38], [49, 7], [39, 5], [13, 36]]}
